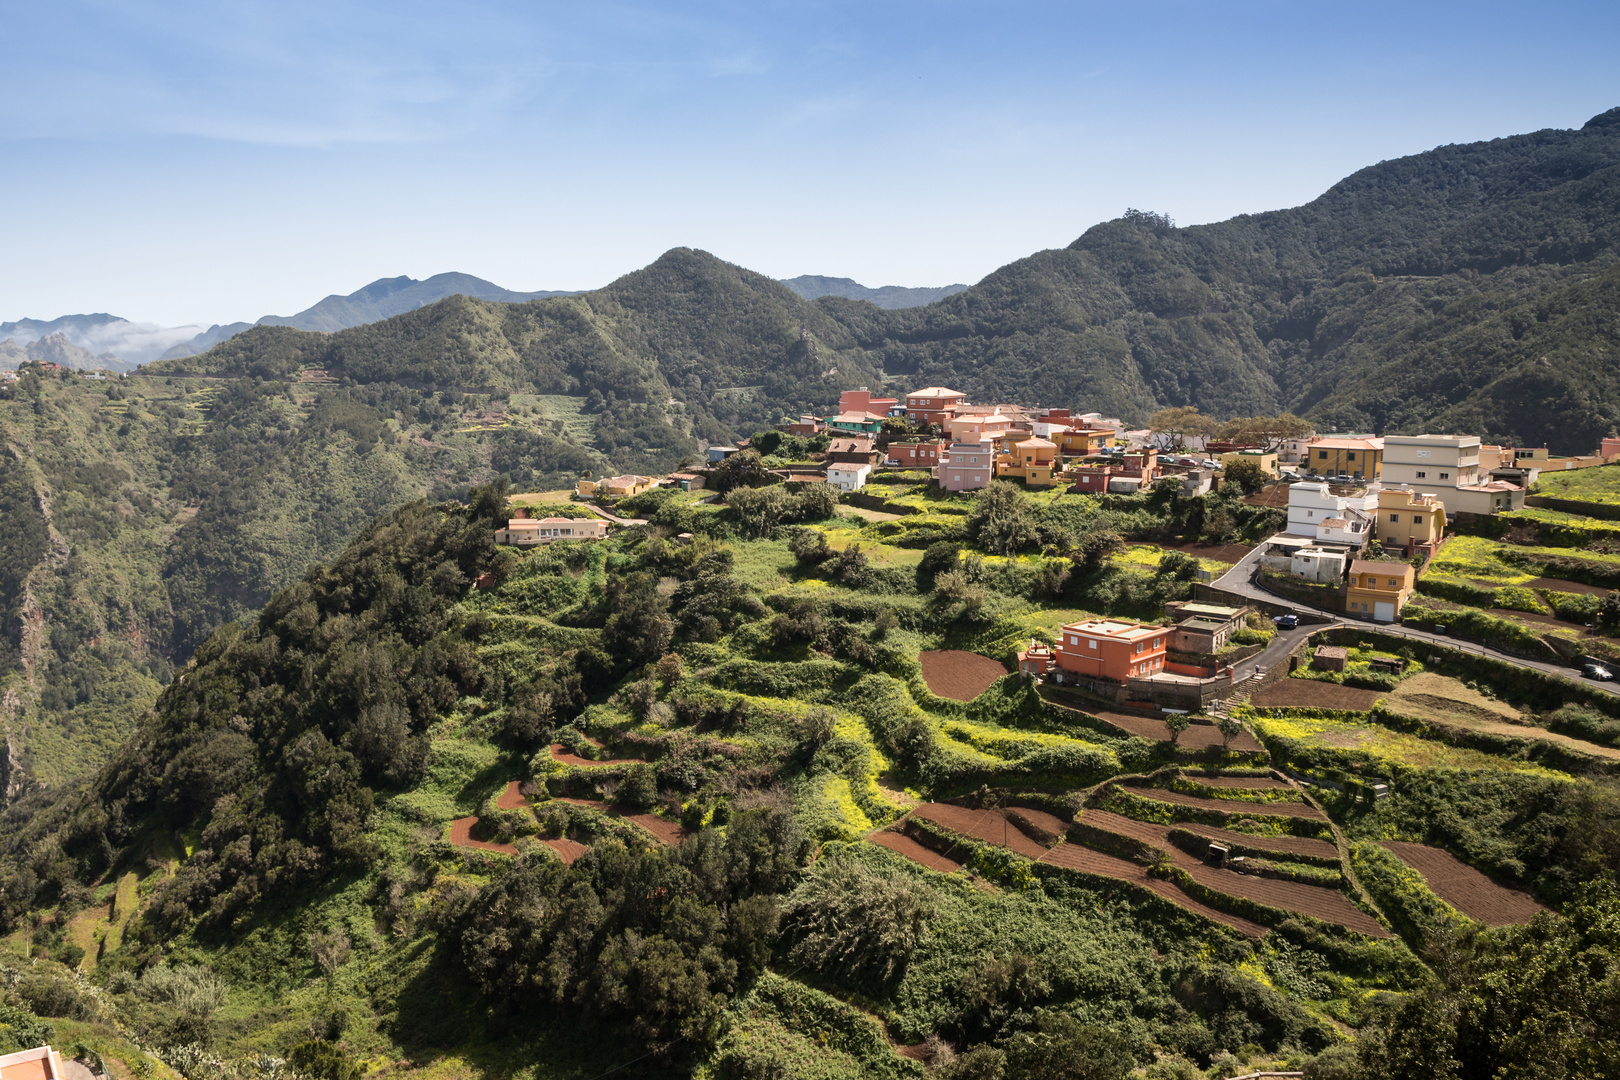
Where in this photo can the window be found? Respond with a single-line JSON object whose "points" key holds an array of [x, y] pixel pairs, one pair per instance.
{"points": [[1394, 518], [1310, 513], [1392, 581], [1421, 474], [1091, 642], [1445, 476], [1321, 455], [1351, 455], [1073, 640]]}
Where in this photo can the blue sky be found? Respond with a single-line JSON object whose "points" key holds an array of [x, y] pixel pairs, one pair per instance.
{"points": [[199, 162]]}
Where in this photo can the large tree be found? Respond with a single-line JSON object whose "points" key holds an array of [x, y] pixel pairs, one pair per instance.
{"points": [[1174, 425], [1266, 432]]}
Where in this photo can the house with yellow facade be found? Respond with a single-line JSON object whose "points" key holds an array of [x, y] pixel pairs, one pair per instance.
{"points": [[1266, 459], [1033, 460], [1362, 458], [1409, 520], [1082, 442], [1379, 590], [616, 487]]}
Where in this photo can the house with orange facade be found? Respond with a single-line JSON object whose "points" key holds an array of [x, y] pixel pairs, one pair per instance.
{"points": [[933, 405], [862, 401], [913, 455], [1379, 590], [1110, 650], [979, 427], [1082, 442]]}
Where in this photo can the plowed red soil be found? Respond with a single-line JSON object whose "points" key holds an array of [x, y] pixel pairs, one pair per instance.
{"points": [[1232, 807], [511, 798], [1089, 861], [567, 850], [1196, 737], [901, 844], [1280, 845], [662, 829], [1329, 905], [1311, 694], [461, 836], [991, 826], [1046, 829], [1465, 888], [561, 753], [961, 676]]}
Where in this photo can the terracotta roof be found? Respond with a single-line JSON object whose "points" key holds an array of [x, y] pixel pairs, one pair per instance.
{"points": [[1036, 443], [935, 391], [1347, 444], [1373, 566]]}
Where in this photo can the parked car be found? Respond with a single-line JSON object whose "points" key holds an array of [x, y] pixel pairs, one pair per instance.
{"points": [[1286, 622], [1597, 672]]}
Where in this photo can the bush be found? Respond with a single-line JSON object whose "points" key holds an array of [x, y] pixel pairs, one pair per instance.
{"points": [[321, 1060], [640, 788], [854, 921]]}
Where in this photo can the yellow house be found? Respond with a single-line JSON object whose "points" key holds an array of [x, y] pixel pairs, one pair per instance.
{"points": [[616, 487], [1379, 590], [1266, 459], [1080, 442], [1363, 458], [1408, 520], [1033, 459]]}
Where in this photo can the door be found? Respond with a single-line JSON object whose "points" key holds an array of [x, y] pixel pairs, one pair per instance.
{"points": [[1383, 611]]}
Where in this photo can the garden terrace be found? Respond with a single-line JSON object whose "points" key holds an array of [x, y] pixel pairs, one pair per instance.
{"points": [[959, 675], [662, 829], [1465, 888], [1327, 904], [1314, 694], [1229, 807]]}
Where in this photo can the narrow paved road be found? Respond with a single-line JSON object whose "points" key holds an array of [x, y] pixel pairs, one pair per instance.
{"points": [[601, 513], [1242, 580]]}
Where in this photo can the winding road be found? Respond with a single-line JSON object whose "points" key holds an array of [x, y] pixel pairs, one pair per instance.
{"points": [[1242, 580]]}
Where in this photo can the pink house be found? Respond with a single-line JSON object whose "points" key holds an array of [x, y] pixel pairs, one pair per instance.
{"points": [[967, 466]]}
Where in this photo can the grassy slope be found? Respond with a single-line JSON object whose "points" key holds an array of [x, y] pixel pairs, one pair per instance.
{"points": [[398, 1007]]}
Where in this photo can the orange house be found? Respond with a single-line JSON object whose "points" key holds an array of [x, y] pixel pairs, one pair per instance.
{"points": [[910, 455], [933, 404], [1112, 649], [41, 1063], [1079, 442]]}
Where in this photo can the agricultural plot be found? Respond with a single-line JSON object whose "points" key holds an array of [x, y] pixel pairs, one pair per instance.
{"points": [[1231, 807], [1354, 743], [961, 676], [1314, 694], [1465, 888], [903, 845], [1447, 703], [1599, 485]]}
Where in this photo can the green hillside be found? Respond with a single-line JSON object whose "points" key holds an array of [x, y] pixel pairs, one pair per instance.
{"points": [[144, 512], [652, 808], [1432, 291]]}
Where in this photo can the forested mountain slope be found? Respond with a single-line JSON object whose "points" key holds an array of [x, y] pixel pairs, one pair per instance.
{"points": [[688, 347], [1419, 292]]}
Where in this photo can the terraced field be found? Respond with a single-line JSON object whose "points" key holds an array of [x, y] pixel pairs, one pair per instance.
{"points": [[1232, 807], [1465, 888], [1098, 841]]}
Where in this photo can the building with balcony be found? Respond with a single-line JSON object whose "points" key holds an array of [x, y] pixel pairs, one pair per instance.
{"points": [[1449, 466], [1032, 460], [967, 466], [530, 532], [1409, 521]]}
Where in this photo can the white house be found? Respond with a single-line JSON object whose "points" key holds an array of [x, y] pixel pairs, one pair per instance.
{"points": [[1449, 466], [1319, 565], [1311, 503], [848, 476]]}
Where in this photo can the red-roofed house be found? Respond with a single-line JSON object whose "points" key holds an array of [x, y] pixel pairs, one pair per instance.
{"points": [[933, 404]]}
